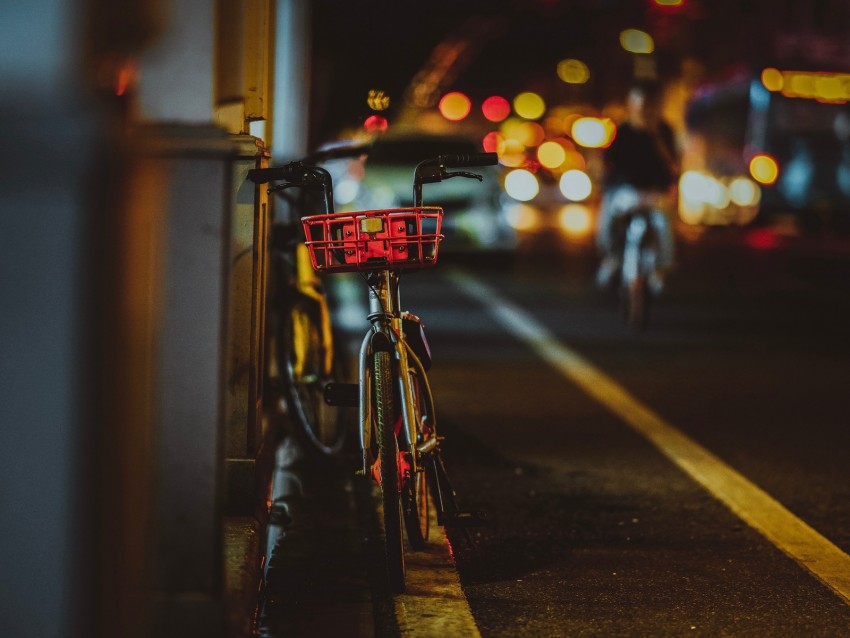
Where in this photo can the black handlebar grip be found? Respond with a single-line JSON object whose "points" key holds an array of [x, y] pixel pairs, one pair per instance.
{"points": [[474, 159], [290, 173]]}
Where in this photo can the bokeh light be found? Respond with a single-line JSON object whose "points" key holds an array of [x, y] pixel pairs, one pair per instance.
{"points": [[574, 159], [772, 79], [744, 192], [375, 124], [378, 100], [551, 154], [493, 142], [346, 190], [521, 185], [575, 220], [573, 71], [495, 108], [529, 134], [513, 154], [522, 216], [509, 127], [637, 41], [454, 106], [814, 85], [575, 185], [529, 105], [593, 132], [764, 169]]}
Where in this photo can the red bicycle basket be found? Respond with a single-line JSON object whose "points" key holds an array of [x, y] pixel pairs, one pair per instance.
{"points": [[396, 238]]}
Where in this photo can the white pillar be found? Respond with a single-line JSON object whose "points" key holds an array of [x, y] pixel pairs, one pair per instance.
{"points": [[292, 81]]}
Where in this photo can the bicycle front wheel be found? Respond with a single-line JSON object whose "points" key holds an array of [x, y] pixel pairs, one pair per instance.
{"points": [[320, 426], [385, 417]]}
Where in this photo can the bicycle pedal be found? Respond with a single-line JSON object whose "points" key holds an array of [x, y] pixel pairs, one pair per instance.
{"points": [[342, 395]]}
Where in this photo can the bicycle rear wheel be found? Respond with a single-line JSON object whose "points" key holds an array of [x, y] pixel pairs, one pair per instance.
{"points": [[320, 426], [388, 453], [415, 502]]}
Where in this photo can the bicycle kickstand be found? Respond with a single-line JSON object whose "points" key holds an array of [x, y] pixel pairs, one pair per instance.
{"points": [[448, 512]]}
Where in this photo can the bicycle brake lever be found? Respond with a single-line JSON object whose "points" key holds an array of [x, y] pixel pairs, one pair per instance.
{"points": [[447, 175]]}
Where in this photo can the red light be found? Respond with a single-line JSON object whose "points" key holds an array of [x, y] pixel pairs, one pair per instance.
{"points": [[375, 124], [496, 108], [762, 239], [493, 142], [125, 78]]}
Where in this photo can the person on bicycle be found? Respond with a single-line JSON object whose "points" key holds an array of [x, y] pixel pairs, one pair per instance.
{"points": [[641, 169]]}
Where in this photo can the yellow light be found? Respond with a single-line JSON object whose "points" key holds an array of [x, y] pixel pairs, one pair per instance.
{"points": [[574, 160], [529, 105], [530, 134], [592, 132], [825, 87], [522, 185], [551, 154], [744, 192], [764, 169], [575, 185], [828, 87], [636, 41], [509, 128], [512, 153], [554, 126], [772, 79], [522, 216], [378, 100], [573, 71], [669, 3], [801, 84], [691, 212], [694, 191], [575, 220], [454, 106]]}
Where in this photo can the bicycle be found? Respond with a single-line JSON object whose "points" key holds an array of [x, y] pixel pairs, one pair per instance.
{"points": [[397, 423], [638, 264], [301, 347]]}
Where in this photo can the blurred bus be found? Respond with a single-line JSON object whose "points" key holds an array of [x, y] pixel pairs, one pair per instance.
{"points": [[769, 148]]}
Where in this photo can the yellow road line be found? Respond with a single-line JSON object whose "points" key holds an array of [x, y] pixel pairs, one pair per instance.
{"points": [[750, 503]]}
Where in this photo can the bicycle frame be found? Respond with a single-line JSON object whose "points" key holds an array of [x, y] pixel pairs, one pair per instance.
{"points": [[386, 333]]}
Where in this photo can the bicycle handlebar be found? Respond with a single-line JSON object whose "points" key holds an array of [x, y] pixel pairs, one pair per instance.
{"points": [[474, 159], [294, 172], [433, 170], [302, 172]]}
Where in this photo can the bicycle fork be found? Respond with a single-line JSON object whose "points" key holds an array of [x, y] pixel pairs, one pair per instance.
{"points": [[385, 335]]}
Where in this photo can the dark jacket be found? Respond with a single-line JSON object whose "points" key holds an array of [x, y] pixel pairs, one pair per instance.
{"points": [[641, 158]]}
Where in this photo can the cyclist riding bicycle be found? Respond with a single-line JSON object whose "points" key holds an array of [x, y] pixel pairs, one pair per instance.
{"points": [[641, 170]]}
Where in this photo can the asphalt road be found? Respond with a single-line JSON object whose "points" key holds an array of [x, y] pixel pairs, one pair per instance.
{"points": [[591, 528]]}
